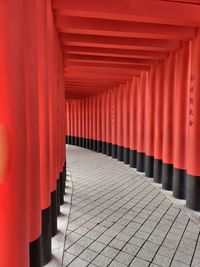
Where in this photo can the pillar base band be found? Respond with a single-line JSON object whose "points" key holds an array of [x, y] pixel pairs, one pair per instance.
{"points": [[35, 252], [126, 155], [53, 213], [149, 166], [46, 235], [167, 176], [157, 171], [140, 162]]}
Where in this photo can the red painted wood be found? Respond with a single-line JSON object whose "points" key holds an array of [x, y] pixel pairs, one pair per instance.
{"points": [[14, 233], [193, 167], [168, 109]]}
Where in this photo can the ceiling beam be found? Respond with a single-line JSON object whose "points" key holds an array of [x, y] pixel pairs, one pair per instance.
{"points": [[107, 27], [112, 42], [150, 11]]}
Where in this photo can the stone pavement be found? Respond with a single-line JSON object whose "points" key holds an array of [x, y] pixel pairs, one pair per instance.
{"points": [[120, 219]]}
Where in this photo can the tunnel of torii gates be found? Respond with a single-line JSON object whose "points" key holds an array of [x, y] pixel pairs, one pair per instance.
{"points": [[117, 77]]}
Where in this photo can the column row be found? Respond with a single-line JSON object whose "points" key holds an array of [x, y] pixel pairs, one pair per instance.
{"points": [[32, 132], [151, 122]]}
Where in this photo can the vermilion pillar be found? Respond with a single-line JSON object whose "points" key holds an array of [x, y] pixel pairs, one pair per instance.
{"points": [[32, 119], [108, 123], [90, 116], [94, 123], [87, 122], [44, 131], [158, 123], [126, 122], [52, 82], [120, 148], [73, 131], [83, 122], [193, 166], [181, 120], [103, 109], [114, 122], [149, 123], [79, 141], [168, 122], [99, 129], [141, 97], [133, 121], [14, 234]]}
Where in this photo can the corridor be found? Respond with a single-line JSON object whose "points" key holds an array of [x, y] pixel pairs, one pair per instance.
{"points": [[118, 218], [99, 133]]}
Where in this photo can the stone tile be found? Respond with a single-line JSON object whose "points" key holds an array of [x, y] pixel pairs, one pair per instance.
{"points": [[78, 262], [151, 246], [104, 239], [182, 257], [162, 260], [68, 257], [110, 252], [145, 254], [102, 261], [97, 246], [88, 255], [131, 249], [84, 241], [176, 263], [117, 264], [137, 262], [76, 249], [136, 241], [117, 244], [124, 257]]}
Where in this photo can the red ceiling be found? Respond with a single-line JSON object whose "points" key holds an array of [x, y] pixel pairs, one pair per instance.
{"points": [[106, 42]]}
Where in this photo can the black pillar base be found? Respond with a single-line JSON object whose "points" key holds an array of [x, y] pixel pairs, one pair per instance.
{"points": [[35, 252], [167, 176], [126, 155], [62, 188], [80, 141], [99, 146], [76, 141], [114, 151], [179, 183], [58, 196], [108, 149], [157, 171], [87, 143], [46, 235], [84, 142], [68, 139], [149, 166], [73, 140], [140, 162], [120, 153], [133, 158], [193, 192], [53, 213], [90, 144], [104, 147], [95, 145]]}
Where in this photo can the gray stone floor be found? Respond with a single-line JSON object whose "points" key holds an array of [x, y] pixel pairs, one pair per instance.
{"points": [[118, 218]]}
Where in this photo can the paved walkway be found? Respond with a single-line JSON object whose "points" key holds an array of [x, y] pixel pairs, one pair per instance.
{"points": [[120, 219]]}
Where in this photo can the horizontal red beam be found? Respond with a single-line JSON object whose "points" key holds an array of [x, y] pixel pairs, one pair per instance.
{"points": [[109, 59], [114, 52], [107, 65], [153, 11], [108, 27], [96, 41]]}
